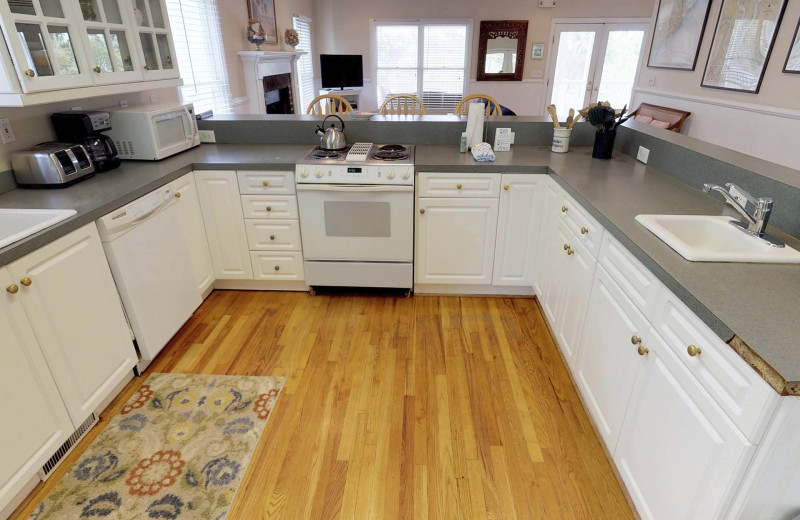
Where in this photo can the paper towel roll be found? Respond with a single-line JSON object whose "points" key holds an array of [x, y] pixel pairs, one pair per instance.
{"points": [[475, 121]]}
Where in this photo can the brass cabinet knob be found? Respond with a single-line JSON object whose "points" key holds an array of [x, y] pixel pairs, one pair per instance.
{"points": [[636, 340], [506, 187], [422, 211], [30, 73], [693, 351], [27, 282], [97, 70], [269, 208], [566, 246], [570, 252], [277, 268], [13, 289], [177, 194], [272, 237], [584, 231], [265, 183], [642, 350], [458, 186], [563, 209]]}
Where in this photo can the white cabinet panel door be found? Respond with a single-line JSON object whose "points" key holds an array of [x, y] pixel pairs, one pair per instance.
{"points": [[678, 453], [194, 230], [223, 217], [517, 230], [35, 422], [609, 359], [77, 317], [545, 257], [455, 240]]}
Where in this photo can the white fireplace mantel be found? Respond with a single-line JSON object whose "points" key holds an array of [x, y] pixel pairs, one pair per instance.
{"points": [[260, 64]]}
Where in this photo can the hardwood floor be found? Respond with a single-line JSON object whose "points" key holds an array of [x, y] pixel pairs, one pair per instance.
{"points": [[424, 408]]}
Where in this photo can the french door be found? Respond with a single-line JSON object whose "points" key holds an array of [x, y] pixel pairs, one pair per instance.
{"points": [[594, 61]]}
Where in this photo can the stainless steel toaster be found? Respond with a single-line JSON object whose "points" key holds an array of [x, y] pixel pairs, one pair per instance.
{"points": [[51, 165]]}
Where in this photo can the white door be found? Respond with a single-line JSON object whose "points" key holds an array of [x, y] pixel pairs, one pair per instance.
{"points": [[223, 217], [594, 62], [69, 295], [678, 454], [609, 357], [35, 421], [517, 229], [455, 240], [191, 220]]}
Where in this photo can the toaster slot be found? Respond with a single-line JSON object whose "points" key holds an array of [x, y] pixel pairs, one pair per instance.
{"points": [[80, 155], [66, 162]]}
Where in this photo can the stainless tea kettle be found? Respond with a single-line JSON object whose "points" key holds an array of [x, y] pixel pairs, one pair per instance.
{"points": [[331, 138]]}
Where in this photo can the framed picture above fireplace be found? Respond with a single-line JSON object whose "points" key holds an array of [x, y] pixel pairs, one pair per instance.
{"points": [[264, 11]]}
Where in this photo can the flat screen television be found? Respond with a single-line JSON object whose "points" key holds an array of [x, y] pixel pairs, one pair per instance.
{"points": [[341, 71]]}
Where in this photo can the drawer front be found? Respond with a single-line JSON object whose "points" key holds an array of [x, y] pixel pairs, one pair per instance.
{"points": [[747, 399], [458, 185], [586, 228], [273, 235], [255, 182], [270, 206], [636, 281], [277, 266]]}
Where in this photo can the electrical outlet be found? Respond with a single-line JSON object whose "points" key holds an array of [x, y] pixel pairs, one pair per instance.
{"points": [[536, 73], [207, 136], [651, 81], [123, 103], [643, 154], [6, 132]]}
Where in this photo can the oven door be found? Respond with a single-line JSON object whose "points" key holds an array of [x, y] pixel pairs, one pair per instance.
{"points": [[357, 222]]}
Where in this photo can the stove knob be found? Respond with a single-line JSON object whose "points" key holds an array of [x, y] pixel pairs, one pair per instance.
{"points": [[405, 175], [303, 172], [318, 173], [390, 175]]}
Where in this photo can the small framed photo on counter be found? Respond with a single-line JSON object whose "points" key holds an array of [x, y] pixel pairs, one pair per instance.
{"points": [[537, 51], [792, 65]]}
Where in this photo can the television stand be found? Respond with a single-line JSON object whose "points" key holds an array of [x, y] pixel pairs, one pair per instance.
{"points": [[352, 95]]}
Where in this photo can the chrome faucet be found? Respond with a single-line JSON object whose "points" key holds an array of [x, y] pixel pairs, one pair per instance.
{"points": [[756, 221]]}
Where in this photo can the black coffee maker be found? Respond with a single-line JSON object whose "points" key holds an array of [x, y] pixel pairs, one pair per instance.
{"points": [[84, 127]]}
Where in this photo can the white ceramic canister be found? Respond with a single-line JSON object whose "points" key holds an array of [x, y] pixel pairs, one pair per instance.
{"points": [[561, 139]]}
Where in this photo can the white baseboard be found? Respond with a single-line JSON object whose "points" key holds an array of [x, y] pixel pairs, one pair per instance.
{"points": [[472, 290], [260, 285]]}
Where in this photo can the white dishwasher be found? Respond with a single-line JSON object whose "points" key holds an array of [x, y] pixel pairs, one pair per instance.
{"points": [[150, 260]]}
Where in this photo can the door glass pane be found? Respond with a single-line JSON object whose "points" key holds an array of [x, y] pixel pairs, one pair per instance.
{"points": [[156, 14], [111, 9], [357, 219], [149, 50], [35, 51], [573, 62], [163, 51], [89, 10], [22, 7], [140, 13], [52, 8], [619, 67], [120, 51], [62, 50], [102, 57]]}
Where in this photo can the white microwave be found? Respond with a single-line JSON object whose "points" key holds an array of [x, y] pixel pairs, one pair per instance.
{"points": [[153, 132]]}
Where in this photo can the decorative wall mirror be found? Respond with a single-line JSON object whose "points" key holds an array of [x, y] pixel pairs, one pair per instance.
{"points": [[501, 50]]}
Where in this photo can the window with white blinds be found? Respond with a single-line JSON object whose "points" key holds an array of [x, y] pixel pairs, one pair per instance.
{"points": [[201, 58], [305, 65], [427, 58]]}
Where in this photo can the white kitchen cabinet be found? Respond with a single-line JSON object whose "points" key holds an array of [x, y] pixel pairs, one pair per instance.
{"points": [[109, 41], [615, 337], [223, 217], [155, 39], [517, 230], [35, 421], [460, 185], [678, 453], [548, 257], [69, 296], [191, 220], [455, 240]]}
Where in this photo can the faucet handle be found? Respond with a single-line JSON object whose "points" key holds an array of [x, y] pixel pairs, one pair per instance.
{"points": [[735, 189]]}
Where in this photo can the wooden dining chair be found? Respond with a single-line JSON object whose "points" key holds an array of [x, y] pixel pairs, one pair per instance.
{"points": [[403, 104], [329, 104], [492, 106]]}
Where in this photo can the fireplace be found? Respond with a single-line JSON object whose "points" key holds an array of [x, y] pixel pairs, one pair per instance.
{"points": [[278, 94]]}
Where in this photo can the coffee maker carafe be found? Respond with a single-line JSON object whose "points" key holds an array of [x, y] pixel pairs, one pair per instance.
{"points": [[85, 127]]}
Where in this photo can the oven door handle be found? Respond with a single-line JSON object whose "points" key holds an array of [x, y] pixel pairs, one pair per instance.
{"points": [[353, 188]]}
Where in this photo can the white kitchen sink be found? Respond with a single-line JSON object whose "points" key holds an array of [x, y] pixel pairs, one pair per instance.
{"points": [[701, 238], [16, 224]]}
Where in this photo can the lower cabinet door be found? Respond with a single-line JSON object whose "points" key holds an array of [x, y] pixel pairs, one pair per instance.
{"points": [[194, 230], [517, 229], [35, 421], [610, 355], [455, 240], [545, 251], [69, 296], [678, 454]]}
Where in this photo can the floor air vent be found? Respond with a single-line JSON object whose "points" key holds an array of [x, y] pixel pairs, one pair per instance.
{"points": [[65, 448]]}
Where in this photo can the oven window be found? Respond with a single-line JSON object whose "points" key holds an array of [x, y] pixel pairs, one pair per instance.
{"points": [[357, 219]]}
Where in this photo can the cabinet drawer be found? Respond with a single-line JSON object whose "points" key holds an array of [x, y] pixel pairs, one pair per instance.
{"points": [[265, 183], [270, 206], [458, 185], [636, 281], [273, 235], [277, 266], [747, 399], [585, 227]]}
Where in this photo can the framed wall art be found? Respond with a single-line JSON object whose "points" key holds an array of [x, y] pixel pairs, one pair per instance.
{"points": [[679, 29], [537, 51], [264, 11], [792, 64], [743, 41]]}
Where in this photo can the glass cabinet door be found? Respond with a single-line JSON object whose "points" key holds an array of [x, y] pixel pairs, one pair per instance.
{"points": [[109, 41], [155, 39], [44, 39]]}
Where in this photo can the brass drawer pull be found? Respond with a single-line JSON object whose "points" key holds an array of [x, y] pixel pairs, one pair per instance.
{"points": [[265, 183], [422, 211], [584, 231], [642, 350], [570, 252], [636, 340], [277, 268], [272, 237], [458, 186], [506, 187], [30, 73], [13, 289], [694, 351], [177, 194], [563, 209], [269, 208], [27, 282], [97, 70]]}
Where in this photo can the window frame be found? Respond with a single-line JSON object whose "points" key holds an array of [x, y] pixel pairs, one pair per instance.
{"points": [[308, 20], [420, 23]]}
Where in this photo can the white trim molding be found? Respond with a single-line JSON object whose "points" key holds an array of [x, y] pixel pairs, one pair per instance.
{"points": [[750, 107], [260, 64]]}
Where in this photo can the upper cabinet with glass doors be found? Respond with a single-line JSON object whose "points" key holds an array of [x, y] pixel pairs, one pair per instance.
{"points": [[110, 41], [155, 39]]}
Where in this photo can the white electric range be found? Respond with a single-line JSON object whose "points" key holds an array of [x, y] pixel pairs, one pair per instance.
{"points": [[357, 216]]}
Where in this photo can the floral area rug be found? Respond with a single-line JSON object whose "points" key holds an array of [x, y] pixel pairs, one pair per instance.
{"points": [[177, 450]]}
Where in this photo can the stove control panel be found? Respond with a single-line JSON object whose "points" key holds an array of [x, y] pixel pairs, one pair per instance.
{"points": [[402, 175]]}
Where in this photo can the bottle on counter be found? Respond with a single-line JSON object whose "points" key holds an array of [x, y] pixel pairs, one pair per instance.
{"points": [[463, 148]]}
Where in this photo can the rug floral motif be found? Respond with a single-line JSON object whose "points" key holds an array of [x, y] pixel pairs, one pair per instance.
{"points": [[178, 449]]}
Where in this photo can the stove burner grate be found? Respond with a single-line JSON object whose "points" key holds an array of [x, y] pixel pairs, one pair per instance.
{"points": [[326, 154], [392, 148], [390, 156]]}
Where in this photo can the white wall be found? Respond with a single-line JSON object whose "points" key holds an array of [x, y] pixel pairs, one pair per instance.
{"points": [[764, 125]]}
